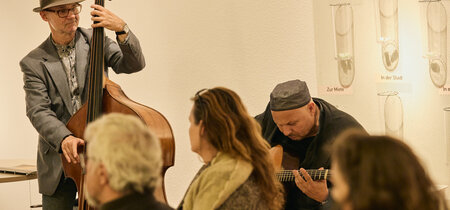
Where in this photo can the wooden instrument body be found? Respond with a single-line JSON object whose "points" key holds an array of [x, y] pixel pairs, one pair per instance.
{"points": [[115, 100], [104, 96]]}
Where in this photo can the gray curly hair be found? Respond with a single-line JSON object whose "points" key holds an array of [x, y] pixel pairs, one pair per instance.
{"points": [[129, 151]]}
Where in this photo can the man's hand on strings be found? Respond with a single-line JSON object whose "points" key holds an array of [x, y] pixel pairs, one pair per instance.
{"points": [[106, 19], [69, 148], [316, 190]]}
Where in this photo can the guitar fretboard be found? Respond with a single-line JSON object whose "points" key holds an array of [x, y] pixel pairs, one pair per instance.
{"points": [[288, 176]]}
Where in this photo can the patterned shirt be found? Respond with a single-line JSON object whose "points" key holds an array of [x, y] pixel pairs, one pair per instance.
{"points": [[67, 55]]}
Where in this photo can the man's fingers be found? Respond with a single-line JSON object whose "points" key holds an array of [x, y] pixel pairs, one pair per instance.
{"points": [[96, 25], [97, 7], [296, 174], [69, 151], [99, 10], [69, 148], [70, 155], [316, 190], [305, 175], [81, 142], [97, 18], [95, 13], [74, 151], [299, 180], [66, 155]]}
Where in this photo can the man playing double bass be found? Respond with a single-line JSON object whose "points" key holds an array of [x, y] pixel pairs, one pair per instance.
{"points": [[55, 84]]}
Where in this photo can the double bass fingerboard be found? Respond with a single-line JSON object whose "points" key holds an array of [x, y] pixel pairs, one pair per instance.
{"points": [[288, 175], [96, 69]]}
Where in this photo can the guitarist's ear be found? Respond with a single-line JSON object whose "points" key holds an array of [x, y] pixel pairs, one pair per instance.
{"points": [[311, 108]]}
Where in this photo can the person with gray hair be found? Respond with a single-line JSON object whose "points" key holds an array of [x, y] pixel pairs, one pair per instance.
{"points": [[55, 84], [123, 164], [303, 126]]}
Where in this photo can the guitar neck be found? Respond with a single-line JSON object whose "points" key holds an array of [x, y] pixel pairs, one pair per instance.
{"points": [[288, 176]]}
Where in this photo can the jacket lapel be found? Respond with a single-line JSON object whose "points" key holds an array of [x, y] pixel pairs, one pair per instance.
{"points": [[82, 59], [56, 70]]}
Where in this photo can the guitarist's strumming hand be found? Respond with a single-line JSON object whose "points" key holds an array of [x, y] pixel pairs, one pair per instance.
{"points": [[316, 190]]}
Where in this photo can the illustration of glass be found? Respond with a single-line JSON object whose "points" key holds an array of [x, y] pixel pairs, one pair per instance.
{"points": [[343, 38], [391, 113], [447, 132], [437, 42], [386, 14]]}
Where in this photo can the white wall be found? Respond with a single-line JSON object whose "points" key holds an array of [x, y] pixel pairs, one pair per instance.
{"points": [[248, 46], [422, 103]]}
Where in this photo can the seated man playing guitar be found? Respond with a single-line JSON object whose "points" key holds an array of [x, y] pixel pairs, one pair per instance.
{"points": [[303, 126]]}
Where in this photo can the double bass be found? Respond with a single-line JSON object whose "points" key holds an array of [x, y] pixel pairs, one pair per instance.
{"points": [[105, 96]]}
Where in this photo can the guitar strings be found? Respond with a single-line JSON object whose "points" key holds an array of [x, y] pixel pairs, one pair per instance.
{"points": [[287, 175]]}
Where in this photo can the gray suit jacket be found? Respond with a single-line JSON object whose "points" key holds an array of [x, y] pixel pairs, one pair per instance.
{"points": [[48, 98]]}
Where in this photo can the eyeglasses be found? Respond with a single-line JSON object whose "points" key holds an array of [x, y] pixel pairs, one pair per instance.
{"points": [[62, 13]]}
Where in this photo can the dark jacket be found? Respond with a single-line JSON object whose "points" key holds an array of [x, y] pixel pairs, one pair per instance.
{"points": [[135, 201], [312, 152]]}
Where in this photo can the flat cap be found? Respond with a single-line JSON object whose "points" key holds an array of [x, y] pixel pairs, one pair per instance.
{"points": [[289, 95]]}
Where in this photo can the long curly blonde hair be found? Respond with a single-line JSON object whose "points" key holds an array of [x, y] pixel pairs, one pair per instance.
{"points": [[230, 129]]}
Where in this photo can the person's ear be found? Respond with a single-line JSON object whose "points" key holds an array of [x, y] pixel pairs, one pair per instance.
{"points": [[43, 15], [202, 128], [311, 108], [102, 173]]}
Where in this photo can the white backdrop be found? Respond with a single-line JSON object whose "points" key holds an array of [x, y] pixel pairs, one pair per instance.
{"points": [[248, 46], [423, 104]]}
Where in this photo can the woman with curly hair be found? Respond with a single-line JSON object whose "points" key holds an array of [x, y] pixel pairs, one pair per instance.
{"points": [[238, 171]]}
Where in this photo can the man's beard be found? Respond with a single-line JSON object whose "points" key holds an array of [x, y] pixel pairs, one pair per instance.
{"points": [[314, 129]]}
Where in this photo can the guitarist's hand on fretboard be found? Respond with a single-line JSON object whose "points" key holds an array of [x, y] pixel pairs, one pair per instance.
{"points": [[316, 190]]}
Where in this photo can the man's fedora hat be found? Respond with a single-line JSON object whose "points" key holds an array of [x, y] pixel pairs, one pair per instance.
{"points": [[44, 4]]}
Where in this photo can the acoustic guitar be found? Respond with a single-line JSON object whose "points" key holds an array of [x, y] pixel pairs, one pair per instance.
{"points": [[283, 160]]}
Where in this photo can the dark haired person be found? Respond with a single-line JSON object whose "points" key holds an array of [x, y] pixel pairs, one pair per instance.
{"points": [[238, 172], [380, 172], [55, 84]]}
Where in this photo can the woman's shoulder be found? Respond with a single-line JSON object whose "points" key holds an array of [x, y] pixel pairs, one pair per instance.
{"points": [[222, 178], [247, 196], [225, 169]]}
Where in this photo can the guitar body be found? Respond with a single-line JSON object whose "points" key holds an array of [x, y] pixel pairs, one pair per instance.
{"points": [[283, 160]]}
